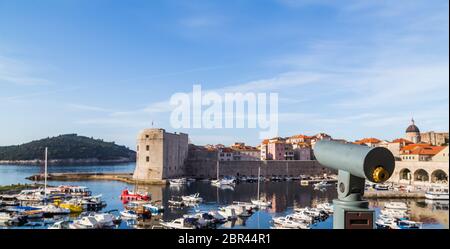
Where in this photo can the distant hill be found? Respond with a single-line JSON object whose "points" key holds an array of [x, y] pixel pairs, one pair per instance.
{"points": [[69, 148]]}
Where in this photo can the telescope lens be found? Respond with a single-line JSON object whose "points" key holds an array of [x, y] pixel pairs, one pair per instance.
{"points": [[380, 174]]}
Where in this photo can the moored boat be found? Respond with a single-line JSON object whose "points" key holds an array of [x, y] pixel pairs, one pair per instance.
{"points": [[192, 198], [180, 223], [396, 205], [134, 196], [437, 193]]}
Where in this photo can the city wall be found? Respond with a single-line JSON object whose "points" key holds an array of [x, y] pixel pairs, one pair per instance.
{"points": [[208, 168]]}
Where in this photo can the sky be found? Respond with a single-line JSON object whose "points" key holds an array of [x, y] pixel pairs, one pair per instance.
{"points": [[107, 69]]}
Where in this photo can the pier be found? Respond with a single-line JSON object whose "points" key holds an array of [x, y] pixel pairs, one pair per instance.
{"points": [[123, 177], [373, 194]]}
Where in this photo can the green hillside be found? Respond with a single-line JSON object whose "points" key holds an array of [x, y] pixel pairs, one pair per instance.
{"points": [[69, 146]]}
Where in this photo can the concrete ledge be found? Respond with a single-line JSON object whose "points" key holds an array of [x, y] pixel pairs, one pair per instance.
{"points": [[393, 195]]}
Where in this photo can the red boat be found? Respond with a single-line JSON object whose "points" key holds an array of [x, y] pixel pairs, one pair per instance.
{"points": [[132, 196]]}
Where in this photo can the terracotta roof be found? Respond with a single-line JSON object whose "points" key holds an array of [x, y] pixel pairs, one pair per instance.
{"points": [[411, 147], [401, 140], [300, 136], [429, 150], [265, 141], [368, 140]]}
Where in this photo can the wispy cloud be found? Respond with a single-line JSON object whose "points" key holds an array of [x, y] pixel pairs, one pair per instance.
{"points": [[13, 71], [82, 107], [32, 95], [202, 21]]}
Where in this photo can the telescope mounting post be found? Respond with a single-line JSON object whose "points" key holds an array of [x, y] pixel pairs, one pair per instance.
{"points": [[350, 209]]}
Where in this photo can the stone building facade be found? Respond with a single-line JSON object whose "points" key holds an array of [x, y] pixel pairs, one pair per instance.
{"points": [[160, 155], [434, 138]]}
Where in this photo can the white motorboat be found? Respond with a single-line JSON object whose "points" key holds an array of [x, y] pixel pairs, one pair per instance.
{"points": [[31, 195], [180, 223], [153, 208], [76, 191], [86, 222], [9, 218], [261, 203], [228, 212], [394, 213], [217, 216], [224, 182], [63, 224], [177, 182], [289, 222], [386, 223], [248, 205], [322, 184], [240, 210], [175, 203], [301, 216], [409, 224], [51, 209], [327, 207], [9, 200], [437, 193], [105, 220], [129, 214], [396, 205], [202, 219], [192, 198], [381, 187]]}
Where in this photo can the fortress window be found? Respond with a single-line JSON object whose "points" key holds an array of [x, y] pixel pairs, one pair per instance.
{"points": [[148, 147], [147, 159], [146, 136]]}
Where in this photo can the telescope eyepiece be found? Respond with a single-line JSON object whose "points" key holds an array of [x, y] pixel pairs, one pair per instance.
{"points": [[380, 174]]}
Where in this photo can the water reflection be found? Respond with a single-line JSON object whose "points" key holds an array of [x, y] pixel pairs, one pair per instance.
{"points": [[285, 196]]}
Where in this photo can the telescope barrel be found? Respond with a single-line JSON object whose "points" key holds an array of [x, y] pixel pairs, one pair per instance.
{"points": [[373, 163]]}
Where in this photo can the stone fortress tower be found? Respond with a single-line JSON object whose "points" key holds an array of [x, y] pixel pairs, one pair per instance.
{"points": [[413, 133], [160, 155]]}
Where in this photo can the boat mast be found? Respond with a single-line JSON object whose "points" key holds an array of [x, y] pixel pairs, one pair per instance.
{"points": [[45, 174], [217, 169], [259, 181]]}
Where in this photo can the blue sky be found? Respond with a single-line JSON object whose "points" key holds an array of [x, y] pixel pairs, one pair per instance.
{"points": [[107, 69]]}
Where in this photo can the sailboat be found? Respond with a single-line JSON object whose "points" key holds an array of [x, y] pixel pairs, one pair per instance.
{"points": [[225, 183], [258, 202]]}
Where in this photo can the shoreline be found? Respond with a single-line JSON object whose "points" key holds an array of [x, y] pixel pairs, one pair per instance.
{"points": [[66, 162], [122, 177], [127, 177]]}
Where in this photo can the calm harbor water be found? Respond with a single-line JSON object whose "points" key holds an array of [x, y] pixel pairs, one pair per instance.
{"points": [[285, 196]]}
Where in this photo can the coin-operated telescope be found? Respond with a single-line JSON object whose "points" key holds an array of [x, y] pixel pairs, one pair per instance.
{"points": [[355, 164]]}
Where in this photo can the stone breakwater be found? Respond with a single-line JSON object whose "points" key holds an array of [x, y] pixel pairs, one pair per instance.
{"points": [[123, 177], [69, 161]]}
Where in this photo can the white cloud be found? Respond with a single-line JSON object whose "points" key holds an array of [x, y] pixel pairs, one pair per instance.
{"points": [[17, 72]]}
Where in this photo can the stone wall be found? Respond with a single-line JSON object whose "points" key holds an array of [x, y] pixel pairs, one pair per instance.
{"points": [[208, 168]]}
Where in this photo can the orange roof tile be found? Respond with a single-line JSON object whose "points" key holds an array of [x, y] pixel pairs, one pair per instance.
{"points": [[428, 150], [401, 140], [371, 140], [411, 147]]}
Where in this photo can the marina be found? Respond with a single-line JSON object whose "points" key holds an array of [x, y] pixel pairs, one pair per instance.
{"points": [[204, 205]]}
